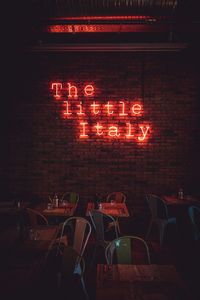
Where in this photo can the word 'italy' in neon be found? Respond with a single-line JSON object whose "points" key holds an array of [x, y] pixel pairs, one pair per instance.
{"points": [[113, 131]]}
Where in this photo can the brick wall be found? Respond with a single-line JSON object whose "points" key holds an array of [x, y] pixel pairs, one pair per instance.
{"points": [[45, 154]]}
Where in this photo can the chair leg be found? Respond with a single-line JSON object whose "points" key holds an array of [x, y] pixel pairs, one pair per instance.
{"points": [[176, 229], [149, 230], [162, 232], [93, 256], [58, 279], [84, 288], [118, 228]]}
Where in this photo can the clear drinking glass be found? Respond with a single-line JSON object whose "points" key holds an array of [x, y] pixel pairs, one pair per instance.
{"points": [[33, 234]]}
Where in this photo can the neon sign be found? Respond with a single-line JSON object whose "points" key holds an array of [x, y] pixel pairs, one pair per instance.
{"points": [[109, 119]]}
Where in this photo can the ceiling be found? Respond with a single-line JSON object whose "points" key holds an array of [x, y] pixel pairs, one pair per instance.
{"points": [[117, 22], [63, 8]]}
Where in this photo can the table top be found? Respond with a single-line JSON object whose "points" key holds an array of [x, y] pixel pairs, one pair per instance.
{"points": [[66, 210], [11, 207], [38, 242], [113, 209], [146, 282], [175, 200]]}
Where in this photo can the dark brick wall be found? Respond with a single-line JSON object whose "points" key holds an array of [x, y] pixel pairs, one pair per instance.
{"points": [[44, 154]]}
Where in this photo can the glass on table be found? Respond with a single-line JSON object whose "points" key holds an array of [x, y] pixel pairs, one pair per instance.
{"points": [[112, 201], [49, 205], [33, 234], [64, 203]]}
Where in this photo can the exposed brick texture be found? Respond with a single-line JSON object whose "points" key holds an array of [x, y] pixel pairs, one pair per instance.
{"points": [[45, 154]]}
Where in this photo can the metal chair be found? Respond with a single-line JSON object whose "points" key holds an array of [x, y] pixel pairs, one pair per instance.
{"points": [[72, 264], [123, 249], [194, 214], [70, 197], [36, 218], [117, 197], [100, 222], [159, 215], [80, 230]]}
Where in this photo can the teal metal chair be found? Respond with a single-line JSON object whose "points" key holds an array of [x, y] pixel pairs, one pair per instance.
{"points": [[159, 215], [123, 250], [194, 214], [101, 226]]}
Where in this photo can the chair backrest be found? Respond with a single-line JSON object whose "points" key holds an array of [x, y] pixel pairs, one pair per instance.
{"points": [[117, 197], [71, 263], [157, 206], [80, 229], [71, 197], [100, 222], [123, 249], [36, 218], [194, 214]]}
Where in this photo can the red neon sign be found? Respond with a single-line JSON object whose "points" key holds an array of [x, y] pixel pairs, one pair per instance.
{"points": [[120, 108], [112, 119]]}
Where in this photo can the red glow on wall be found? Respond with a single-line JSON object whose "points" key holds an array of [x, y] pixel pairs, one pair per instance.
{"points": [[94, 24], [112, 119], [67, 111], [95, 108], [99, 129], [129, 133], [144, 131], [136, 108], [106, 18], [89, 90], [96, 28], [56, 87], [122, 113], [71, 90], [110, 109], [80, 106], [83, 134], [138, 133]]}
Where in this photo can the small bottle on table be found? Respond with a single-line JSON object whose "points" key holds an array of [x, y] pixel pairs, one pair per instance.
{"points": [[56, 202], [180, 193]]}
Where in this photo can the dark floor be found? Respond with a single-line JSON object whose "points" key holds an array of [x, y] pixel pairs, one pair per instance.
{"points": [[178, 249]]}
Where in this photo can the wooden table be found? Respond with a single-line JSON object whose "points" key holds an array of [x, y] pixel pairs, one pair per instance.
{"points": [[175, 200], [113, 209], [41, 239], [140, 282], [179, 208], [66, 210]]}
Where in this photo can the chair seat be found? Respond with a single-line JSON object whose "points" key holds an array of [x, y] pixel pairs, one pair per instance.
{"points": [[166, 221], [122, 250], [171, 220], [194, 215]]}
